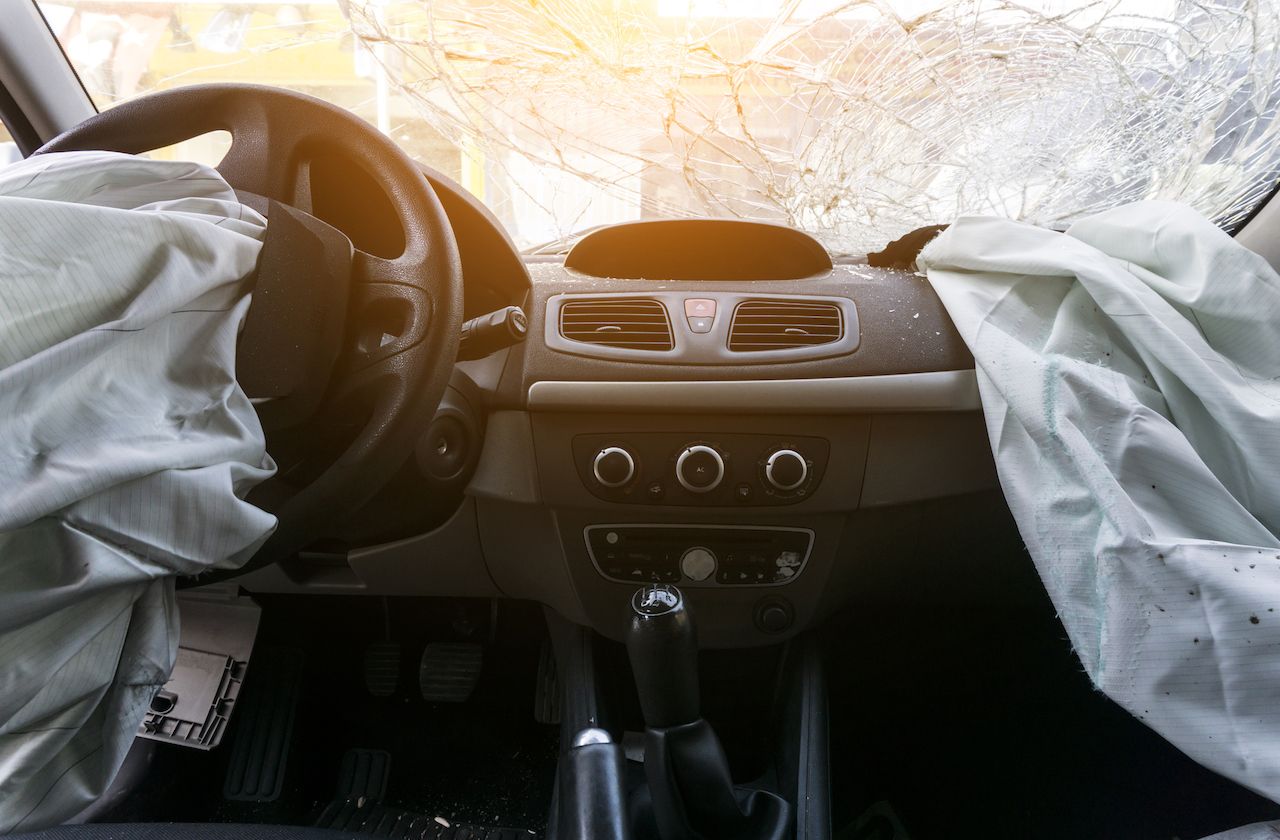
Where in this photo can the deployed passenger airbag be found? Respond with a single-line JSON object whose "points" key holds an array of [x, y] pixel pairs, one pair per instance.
{"points": [[1130, 377]]}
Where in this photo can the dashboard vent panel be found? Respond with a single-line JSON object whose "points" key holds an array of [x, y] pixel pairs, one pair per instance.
{"points": [[760, 325], [627, 323]]}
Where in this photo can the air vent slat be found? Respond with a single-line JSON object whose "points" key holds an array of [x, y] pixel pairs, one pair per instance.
{"points": [[760, 325], [585, 320], [647, 326], [610, 313], [827, 318], [782, 326], [633, 324]]}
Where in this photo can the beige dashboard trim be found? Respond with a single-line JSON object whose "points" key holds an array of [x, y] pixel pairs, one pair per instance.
{"points": [[948, 390]]}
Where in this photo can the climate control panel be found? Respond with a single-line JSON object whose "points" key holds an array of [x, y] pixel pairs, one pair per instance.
{"points": [[699, 555], [672, 468]]}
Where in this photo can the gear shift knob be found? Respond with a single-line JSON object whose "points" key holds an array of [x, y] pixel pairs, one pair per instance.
{"points": [[663, 647]]}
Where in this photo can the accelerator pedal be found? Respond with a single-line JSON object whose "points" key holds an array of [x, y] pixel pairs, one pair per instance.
{"points": [[450, 670], [367, 817], [264, 727]]}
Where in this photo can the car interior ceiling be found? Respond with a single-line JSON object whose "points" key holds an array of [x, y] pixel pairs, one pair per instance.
{"points": [[629, 583]]}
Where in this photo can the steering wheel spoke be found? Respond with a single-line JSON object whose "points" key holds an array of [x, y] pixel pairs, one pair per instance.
{"points": [[387, 319], [250, 165]]}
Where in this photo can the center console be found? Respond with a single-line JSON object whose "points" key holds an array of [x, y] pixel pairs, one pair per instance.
{"points": [[744, 513], [681, 769], [704, 399]]}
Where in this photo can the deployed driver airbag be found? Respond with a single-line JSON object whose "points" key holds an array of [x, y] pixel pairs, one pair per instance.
{"points": [[1130, 377], [126, 449]]}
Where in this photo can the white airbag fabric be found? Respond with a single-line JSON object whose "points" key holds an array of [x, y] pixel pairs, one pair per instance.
{"points": [[1130, 377], [126, 448]]}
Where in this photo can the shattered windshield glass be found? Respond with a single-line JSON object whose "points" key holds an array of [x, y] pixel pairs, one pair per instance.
{"points": [[854, 121]]}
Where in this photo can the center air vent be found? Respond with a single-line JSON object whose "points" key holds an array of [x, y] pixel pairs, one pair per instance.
{"points": [[627, 323], [784, 324]]}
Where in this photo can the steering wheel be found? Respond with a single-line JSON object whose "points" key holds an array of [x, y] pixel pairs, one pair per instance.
{"points": [[374, 347]]}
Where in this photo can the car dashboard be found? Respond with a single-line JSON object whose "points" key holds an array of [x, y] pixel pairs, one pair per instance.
{"points": [[710, 403]]}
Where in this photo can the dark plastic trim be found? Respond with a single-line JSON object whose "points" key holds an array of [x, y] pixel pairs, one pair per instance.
{"points": [[813, 783], [699, 249], [20, 128]]}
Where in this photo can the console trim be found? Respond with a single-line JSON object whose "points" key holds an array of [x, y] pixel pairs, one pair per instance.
{"points": [[947, 390], [709, 583]]}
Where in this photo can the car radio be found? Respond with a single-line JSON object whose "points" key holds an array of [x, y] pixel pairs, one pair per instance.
{"points": [[699, 555]]}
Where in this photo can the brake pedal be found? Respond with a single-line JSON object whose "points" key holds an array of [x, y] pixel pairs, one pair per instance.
{"points": [[450, 670]]}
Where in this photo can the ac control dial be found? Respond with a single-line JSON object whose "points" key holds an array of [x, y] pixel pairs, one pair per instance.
{"points": [[613, 467], [786, 470], [699, 468]]}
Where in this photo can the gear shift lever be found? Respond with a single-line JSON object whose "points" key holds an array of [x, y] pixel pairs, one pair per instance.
{"points": [[688, 774], [663, 647]]}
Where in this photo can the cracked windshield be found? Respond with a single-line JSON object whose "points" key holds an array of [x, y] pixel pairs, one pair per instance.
{"points": [[854, 121]]}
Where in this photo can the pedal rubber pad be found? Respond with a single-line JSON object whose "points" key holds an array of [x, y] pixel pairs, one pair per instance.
{"points": [[450, 670], [364, 774], [264, 726], [382, 668]]}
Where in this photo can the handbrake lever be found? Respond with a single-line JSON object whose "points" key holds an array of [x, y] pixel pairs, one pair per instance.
{"points": [[592, 797]]}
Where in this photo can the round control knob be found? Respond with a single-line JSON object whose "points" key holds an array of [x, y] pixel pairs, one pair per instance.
{"points": [[774, 615], [613, 466], [698, 564], [786, 470], [699, 469]]}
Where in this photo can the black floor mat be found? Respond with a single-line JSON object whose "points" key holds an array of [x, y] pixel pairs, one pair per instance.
{"points": [[375, 819], [981, 723], [364, 775], [264, 726]]}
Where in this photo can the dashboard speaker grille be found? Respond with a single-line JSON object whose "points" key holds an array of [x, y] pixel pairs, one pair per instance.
{"points": [[784, 324], [630, 323]]}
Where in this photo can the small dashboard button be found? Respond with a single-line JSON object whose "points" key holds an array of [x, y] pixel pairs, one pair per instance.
{"points": [[699, 308], [700, 325]]}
